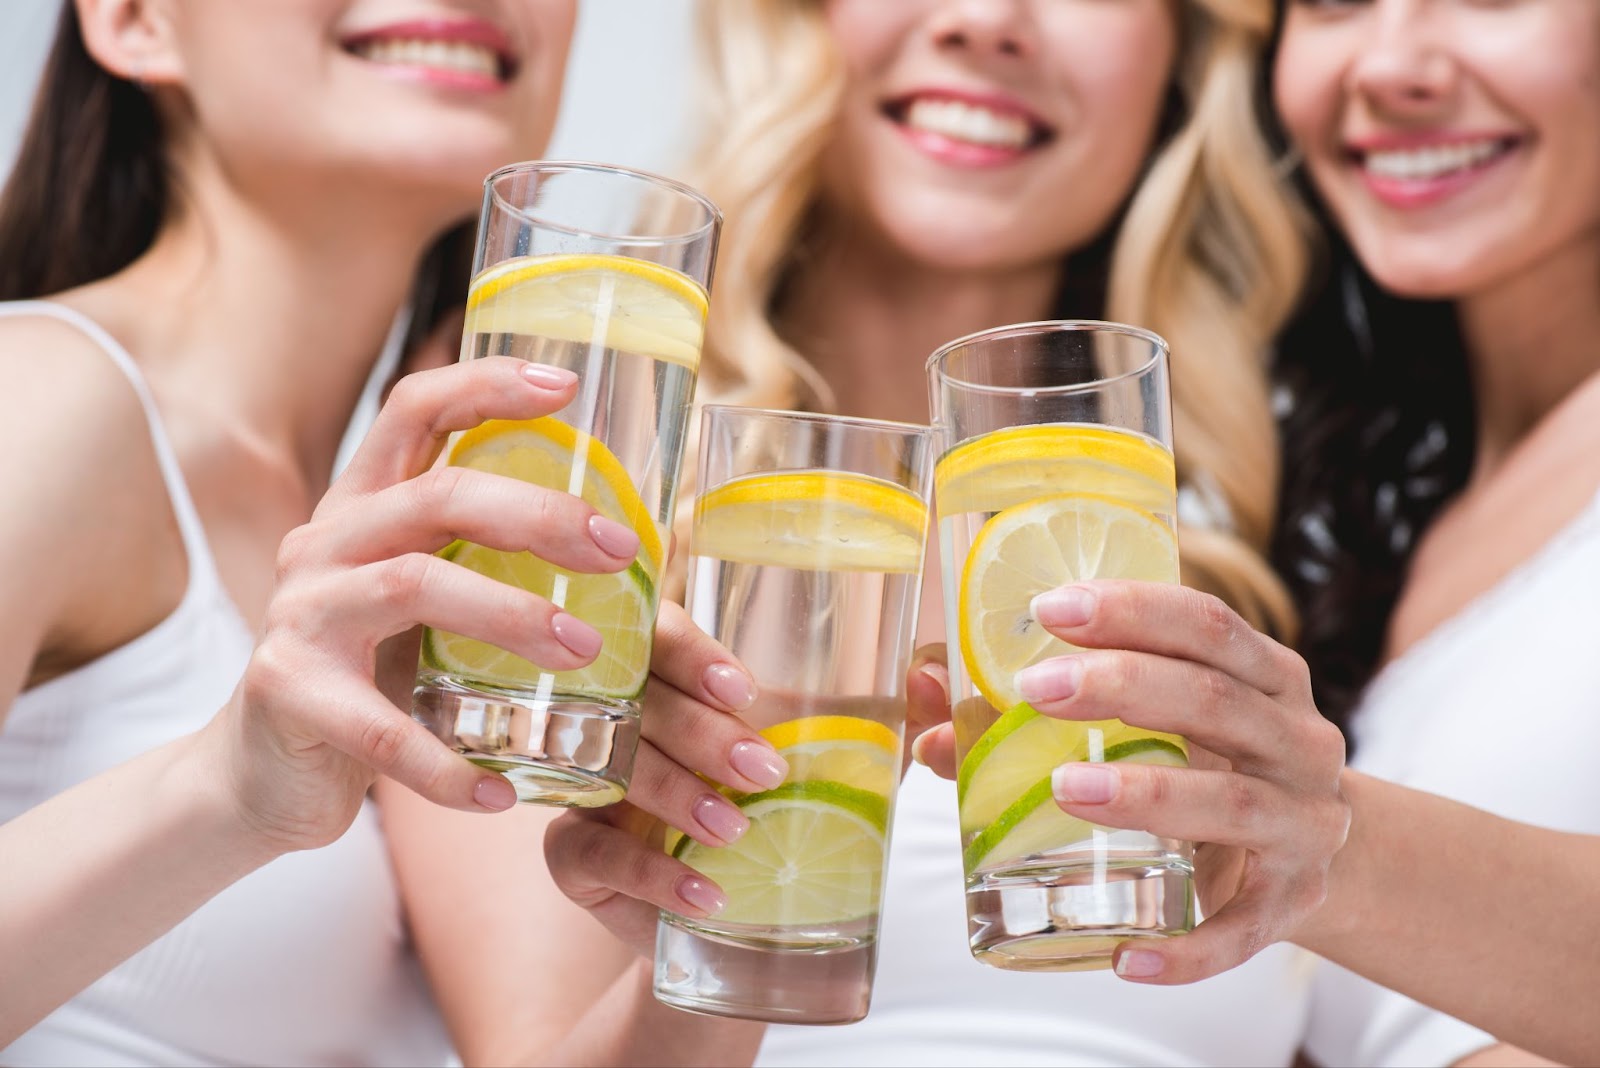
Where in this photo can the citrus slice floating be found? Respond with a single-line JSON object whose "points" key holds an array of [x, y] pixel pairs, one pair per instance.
{"points": [[620, 606], [1030, 548], [623, 303], [1034, 824], [548, 452], [856, 752], [813, 855], [1009, 467], [815, 520]]}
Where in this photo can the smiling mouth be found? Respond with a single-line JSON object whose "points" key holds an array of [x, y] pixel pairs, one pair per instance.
{"points": [[437, 52], [970, 123], [1428, 163]]}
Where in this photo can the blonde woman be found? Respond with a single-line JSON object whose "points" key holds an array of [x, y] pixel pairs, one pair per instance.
{"points": [[895, 175]]}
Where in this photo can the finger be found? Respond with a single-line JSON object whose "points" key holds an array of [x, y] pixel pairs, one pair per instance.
{"points": [[680, 798], [715, 744], [1177, 696], [1222, 807], [936, 749], [353, 718], [425, 408], [1173, 621], [690, 660], [426, 513], [1239, 930], [927, 703], [623, 881], [385, 598]]}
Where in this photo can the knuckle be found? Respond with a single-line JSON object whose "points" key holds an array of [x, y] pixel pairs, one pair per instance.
{"points": [[294, 551], [1213, 692], [1294, 669], [1112, 674], [266, 675], [403, 580], [383, 739], [443, 489], [1217, 621], [1240, 801]]}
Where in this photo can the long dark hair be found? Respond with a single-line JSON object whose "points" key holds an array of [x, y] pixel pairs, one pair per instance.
{"points": [[1378, 434], [92, 185]]}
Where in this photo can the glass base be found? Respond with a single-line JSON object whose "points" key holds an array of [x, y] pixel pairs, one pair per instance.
{"points": [[1068, 919], [574, 754], [697, 971]]}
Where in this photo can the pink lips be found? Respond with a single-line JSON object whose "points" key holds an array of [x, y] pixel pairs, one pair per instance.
{"points": [[962, 153], [478, 32], [1420, 191]]}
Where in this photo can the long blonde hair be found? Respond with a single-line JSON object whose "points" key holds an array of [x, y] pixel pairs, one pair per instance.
{"points": [[1211, 254]]}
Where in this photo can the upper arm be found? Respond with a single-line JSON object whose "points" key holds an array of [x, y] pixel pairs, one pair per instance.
{"points": [[69, 414], [512, 962]]}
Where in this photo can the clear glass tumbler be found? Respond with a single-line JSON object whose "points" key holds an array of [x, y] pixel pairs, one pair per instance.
{"points": [[806, 562], [1056, 467], [602, 271]]}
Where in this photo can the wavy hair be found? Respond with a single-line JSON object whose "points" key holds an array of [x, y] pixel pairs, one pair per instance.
{"points": [[1210, 252]]}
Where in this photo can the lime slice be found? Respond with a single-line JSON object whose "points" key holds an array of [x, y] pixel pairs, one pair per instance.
{"points": [[548, 452], [620, 606], [857, 752], [1008, 467], [813, 855], [1030, 548], [1021, 747], [816, 520], [623, 303], [1034, 824]]}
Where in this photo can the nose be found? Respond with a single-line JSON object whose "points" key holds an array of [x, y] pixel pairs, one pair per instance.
{"points": [[985, 27], [1405, 66]]}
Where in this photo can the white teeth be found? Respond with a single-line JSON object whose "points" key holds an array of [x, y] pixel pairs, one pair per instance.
{"points": [[440, 55], [1432, 162], [969, 122]]}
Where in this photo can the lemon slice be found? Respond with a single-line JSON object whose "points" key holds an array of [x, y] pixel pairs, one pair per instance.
{"points": [[815, 520], [620, 606], [626, 304], [813, 855], [857, 752], [548, 452], [1034, 824], [1030, 548], [1011, 466]]}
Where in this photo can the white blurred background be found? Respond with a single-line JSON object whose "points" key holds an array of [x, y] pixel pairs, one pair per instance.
{"points": [[627, 83]]}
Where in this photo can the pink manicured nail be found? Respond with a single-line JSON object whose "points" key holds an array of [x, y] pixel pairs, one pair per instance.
{"points": [[1052, 680], [548, 377], [1085, 784], [494, 793], [1140, 964], [916, 748], [720, 819], [701, 896], [1070, 606], [731, 686], [613, 538], [575, 634], [759, 763]]}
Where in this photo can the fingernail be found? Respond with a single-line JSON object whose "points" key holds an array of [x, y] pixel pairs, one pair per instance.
{"points": [[730, 685], [759, 763], [1070, 606], [613, 538], [1086, 784], [494, 793], [575, 634], [720, 819], [936, 675], [1052, 680], [916, 748], [548, 377], [701, 896], [1140, 964]]}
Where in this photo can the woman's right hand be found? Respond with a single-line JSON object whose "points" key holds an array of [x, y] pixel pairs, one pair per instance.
{"points": [[322, 708]]}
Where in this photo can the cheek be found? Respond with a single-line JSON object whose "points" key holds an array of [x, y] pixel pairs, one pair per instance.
{"points": [[867, 32], [1304, 91]]}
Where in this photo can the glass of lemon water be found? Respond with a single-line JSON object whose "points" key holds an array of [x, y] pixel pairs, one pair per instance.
{"points": [[1056, 467], [805, 561], [603, 271]]}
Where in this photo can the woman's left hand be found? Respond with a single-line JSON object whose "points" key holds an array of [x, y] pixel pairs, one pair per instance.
{"points": [[1261, 798]]}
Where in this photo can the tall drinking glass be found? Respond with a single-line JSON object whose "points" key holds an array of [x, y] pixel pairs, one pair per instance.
{"points": [[1056, 467], [806, 562], [602, 271]]}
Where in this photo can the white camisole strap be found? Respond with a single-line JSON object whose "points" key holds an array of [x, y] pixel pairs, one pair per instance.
{"points": [[195, 545]]}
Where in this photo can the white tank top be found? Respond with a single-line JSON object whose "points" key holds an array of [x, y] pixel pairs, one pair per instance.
{"points": [[305, 961], [1499, 708], [934, 1005]]}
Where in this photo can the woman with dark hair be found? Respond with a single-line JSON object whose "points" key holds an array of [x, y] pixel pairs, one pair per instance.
{"points": [[217, 212]]}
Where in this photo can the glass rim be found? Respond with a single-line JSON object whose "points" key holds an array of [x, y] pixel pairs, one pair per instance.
{"points": [[824, 418], [1159, 350], [683, 189]]}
